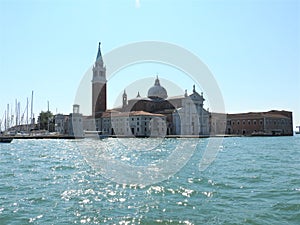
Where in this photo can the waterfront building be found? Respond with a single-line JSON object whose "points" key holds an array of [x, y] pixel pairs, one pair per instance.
{"points": [[217, 123], [89, 123], [273, 122], [61, 123], [134, 123], [75, 122], [71, 125]]}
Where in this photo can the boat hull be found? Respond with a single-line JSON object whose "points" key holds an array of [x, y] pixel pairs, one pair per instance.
{"points": [[5, 139]]}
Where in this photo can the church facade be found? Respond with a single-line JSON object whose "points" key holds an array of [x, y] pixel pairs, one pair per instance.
{"points": [[156, 114]]}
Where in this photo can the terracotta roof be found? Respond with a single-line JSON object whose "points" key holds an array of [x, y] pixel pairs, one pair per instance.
{"points": [[251, 115], [132, 113], [245, 115], [111, 110], [87, 117], [176, 97], [276, 116]]}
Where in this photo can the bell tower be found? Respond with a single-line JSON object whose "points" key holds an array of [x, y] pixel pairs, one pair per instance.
{"points": [[99, 86], [124, 99]]}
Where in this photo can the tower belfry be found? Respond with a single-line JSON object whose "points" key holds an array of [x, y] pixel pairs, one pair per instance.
{"points": [[124, 99], [99, 86]]}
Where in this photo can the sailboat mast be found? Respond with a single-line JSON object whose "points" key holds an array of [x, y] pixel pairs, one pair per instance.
{"points": [[7, 120], [31, 108], [27, 115], [1, 121], [11, 117], [19, 115], [16, 112], [48, 115]]}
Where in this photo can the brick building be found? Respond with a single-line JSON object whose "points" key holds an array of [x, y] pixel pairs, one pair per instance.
{"points": [[260, 123]]}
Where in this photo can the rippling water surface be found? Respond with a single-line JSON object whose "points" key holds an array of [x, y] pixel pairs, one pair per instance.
{"points": [[252, 181]]}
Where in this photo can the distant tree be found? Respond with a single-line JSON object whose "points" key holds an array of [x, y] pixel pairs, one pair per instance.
{"points": [[46, 120]]}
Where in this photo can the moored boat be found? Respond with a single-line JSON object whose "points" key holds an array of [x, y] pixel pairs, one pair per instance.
{"points": [[4, 139], [95, 134], [298, 132]]}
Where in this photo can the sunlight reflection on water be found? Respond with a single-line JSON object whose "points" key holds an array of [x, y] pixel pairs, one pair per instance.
{"points": [[251, 181]]}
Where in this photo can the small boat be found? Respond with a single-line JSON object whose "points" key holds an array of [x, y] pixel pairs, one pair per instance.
{"points": [[4, 139], [95, 134], [298, 132]]}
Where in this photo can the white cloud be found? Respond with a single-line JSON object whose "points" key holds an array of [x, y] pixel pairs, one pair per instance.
{"points": [[137, 4]]}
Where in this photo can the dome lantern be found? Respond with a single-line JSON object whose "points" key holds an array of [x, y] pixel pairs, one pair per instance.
{"points": [[157, 91]]}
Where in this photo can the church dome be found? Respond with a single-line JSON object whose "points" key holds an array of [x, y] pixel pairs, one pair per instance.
{"points": [[157, 91]]}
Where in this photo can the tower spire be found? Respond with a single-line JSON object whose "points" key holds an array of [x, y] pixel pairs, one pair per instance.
{"points": [[99, 55]]}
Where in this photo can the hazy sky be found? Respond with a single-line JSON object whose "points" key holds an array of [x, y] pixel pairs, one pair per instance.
{"points": [[251, 47]]}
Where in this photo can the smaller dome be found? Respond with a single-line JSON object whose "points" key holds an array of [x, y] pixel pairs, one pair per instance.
{"points": [[157, 91]]}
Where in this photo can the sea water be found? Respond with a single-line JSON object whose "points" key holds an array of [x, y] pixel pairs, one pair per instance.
{"points": [[251, 180]]}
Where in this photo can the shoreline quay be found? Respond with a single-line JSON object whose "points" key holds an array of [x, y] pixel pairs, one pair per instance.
{"points": [[126, 136]]}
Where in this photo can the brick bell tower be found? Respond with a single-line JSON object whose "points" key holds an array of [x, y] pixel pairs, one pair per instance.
{"points": [[99, 86]]}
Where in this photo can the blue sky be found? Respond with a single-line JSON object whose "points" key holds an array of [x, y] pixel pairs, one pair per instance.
{"points": [[251, 47]]}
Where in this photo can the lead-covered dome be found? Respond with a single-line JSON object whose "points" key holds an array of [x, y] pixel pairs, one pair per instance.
{"points": [[157, 91]]}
